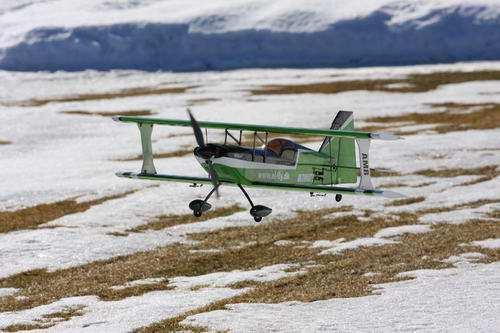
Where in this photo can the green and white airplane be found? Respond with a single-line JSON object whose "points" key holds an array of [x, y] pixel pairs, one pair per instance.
{"points": [[278, 163]]}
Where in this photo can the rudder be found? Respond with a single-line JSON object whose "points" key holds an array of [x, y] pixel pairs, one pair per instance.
{"points": [[342, 150]]}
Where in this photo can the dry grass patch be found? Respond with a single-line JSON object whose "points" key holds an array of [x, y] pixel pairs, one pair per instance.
{"points": [[201, 101], [132, 92], [404, 202], [110, 114], [456, 117], [472, 204], [485, 173], [32, 217], [384, 173], [166, 221], [410, 84], [26, 327]]}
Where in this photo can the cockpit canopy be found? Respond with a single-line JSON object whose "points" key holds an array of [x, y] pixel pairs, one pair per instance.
{"points": [[276, 151], [283, 148]]}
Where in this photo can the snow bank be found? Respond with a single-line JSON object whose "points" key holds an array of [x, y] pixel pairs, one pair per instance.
{"points": [[215, 35]]}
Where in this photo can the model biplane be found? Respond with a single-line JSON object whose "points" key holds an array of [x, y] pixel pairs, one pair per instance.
{"points": [[276, 163]]}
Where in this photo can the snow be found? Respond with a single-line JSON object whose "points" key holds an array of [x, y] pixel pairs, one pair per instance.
{"points": [[464, 258], [405, 229], [220, 34], [337, 248], [221, 279], [443, 300], [8, 291], [488, 243]]}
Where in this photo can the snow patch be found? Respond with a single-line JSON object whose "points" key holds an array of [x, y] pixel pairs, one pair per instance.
{"points": [[491, 243], [221, 279], [357, 243], [8, 291], [401, 230]]}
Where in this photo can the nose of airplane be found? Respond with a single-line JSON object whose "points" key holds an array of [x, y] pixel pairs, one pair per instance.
{"points": [[208, 151]]}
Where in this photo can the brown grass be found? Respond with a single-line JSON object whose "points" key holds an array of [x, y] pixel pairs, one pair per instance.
{"points": [[32, 217], [456, 117], [201, 101], [384, 173], [404, 202], [110, 114], [166, 221], [132, 92], [412, 83], [487, 173], [26, 327], [472, 204]]}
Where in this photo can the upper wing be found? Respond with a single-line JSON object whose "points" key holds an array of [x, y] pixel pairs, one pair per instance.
{"points": [[259, 128]]}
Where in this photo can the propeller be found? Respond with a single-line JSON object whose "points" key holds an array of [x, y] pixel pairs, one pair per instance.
{"points": [[201, 144]]}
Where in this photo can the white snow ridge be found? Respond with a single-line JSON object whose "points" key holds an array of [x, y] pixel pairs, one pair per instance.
{"points": [[218, 34]]}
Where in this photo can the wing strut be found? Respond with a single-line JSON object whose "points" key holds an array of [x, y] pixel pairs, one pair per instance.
{"points": [[365, 182], [148, 166]]}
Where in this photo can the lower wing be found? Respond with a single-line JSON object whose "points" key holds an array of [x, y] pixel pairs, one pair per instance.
{"points": [[273, 186]]}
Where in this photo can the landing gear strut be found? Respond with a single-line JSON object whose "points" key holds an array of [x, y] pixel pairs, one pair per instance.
{"points": [[257, 211], [200, 206]]}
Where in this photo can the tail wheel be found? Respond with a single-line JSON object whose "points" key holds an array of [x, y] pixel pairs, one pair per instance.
{"points": [[338, 197]]}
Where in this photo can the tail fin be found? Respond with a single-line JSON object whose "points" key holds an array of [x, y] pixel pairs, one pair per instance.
{"points": [[342, 150]]}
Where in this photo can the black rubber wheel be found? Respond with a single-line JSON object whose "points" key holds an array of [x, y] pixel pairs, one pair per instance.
{"points": [[197, 213], [338, 197], [257, 218]]}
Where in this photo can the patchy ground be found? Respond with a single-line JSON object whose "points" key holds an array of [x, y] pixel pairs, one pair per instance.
{"points": [[82, 249]]}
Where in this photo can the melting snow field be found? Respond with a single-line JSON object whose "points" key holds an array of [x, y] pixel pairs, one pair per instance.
{"points": [[53, 155]]}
